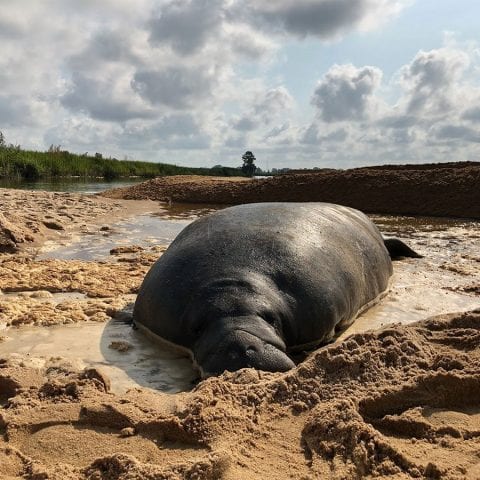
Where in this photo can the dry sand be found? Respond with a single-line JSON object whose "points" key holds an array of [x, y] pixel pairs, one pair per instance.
{"points": [[450, 189], [400, 403]]}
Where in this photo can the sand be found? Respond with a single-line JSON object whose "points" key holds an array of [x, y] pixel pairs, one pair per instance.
{"points": [[446, 189], [401, 402], [398, 403]]}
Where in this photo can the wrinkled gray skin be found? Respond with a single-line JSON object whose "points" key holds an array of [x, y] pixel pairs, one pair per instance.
{"points": [[244, 285]]}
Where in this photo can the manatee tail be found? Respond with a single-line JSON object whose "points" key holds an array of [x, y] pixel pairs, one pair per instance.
{"points": [[397, 249]]}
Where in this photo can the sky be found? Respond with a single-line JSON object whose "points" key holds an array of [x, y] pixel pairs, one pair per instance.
{"points": [[301, 83]]}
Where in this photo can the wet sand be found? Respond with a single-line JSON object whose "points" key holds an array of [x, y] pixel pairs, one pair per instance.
{"points": [[402, 402], [28, 218]]}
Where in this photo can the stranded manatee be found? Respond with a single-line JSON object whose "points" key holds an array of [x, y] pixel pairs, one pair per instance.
{"points": [[245, 285]]}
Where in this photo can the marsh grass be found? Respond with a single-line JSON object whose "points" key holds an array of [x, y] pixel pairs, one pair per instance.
{"points": [[31, 165]]}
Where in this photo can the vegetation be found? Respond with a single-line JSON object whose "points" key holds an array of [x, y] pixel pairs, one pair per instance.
{"points": [[31, 165], [249, 167]]}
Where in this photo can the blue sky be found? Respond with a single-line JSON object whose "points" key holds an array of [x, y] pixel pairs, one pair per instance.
{"points": [[302, 83]]}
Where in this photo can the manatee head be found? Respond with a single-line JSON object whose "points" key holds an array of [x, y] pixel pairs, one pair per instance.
{"points": [[232, 345]]}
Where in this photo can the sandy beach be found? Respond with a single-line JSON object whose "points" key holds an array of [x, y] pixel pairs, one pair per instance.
{"points": [[398, 402]]}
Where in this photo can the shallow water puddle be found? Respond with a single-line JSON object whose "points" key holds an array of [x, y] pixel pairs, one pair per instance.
{"points": [[127, 356], [421, 288], [157, 228], [414, 295], [144, 230]]}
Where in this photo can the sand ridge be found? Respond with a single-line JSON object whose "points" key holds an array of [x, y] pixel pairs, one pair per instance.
{"points": [[449, 189]]}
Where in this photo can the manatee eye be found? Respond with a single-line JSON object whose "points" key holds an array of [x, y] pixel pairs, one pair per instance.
{"points": [[197, 330], [270, 319], [198, 327]]}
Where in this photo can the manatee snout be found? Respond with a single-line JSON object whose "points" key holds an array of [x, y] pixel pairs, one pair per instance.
{"points": [[241, 349]]}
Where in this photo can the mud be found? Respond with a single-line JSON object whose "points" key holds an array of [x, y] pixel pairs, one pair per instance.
{"points": [[28, 218]]}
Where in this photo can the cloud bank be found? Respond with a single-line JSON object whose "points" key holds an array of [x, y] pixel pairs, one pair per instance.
{"points": [[188, 81]]}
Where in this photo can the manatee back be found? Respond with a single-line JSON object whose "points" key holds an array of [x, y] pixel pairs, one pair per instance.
{"points": [[326, 261]]}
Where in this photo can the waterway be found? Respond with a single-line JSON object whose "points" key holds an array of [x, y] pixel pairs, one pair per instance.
{"points": [[75, 185]]}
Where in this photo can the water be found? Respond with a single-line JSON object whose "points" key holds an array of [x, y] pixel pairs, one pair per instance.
{"points": [[425, 287], [144, 230], [159, 228], [74, 185], [144, 362]]}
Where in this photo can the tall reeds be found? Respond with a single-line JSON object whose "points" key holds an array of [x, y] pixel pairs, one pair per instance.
{"points": [[31, 165]]}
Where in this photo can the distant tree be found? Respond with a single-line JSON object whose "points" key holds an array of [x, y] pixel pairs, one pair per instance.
{"points": [[98, 155], [248, 167], [2, 140]]}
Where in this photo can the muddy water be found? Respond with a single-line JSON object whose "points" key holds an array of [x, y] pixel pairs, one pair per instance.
{"points": [[428, 286], [156, 228], [127, 356], [419, 288]]}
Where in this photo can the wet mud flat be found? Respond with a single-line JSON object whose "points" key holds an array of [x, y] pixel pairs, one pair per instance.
{"points": [[399, 402]]}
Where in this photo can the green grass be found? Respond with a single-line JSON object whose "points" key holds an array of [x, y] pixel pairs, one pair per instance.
{"points": [[32, 165]]}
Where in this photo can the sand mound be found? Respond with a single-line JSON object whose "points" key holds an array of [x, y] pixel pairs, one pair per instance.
{"points": [[89, 291], [402, 402], [95, 279], [433, 189]]}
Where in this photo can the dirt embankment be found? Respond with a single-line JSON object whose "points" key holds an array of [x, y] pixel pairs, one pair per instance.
{"points": [[451, 189], [399, 403]]}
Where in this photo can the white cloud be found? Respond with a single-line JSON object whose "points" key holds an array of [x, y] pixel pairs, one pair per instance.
{"points": [[186, 25], [457, 132], [14, 111], [175, 86], [432, 78], [346, 93], [104, 99], [203, 79], [472, 113]]}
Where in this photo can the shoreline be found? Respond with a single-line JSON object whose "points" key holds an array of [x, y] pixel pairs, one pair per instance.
{"points": [[28, 218]]}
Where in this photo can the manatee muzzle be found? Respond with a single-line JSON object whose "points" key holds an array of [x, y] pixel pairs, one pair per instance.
{"points": [[242, 349]]}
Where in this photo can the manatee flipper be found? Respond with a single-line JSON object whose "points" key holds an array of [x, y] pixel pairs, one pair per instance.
{"points": [[398, 249]]}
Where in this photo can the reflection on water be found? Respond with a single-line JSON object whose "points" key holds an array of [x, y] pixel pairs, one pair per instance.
{"points": [[142, 362], [157, 228], [187, 211], [429, 286], [403, 225], [144, 230], [74, 185]]}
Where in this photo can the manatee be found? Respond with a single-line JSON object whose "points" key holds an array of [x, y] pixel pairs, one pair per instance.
{"points": [[250, 285]]}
